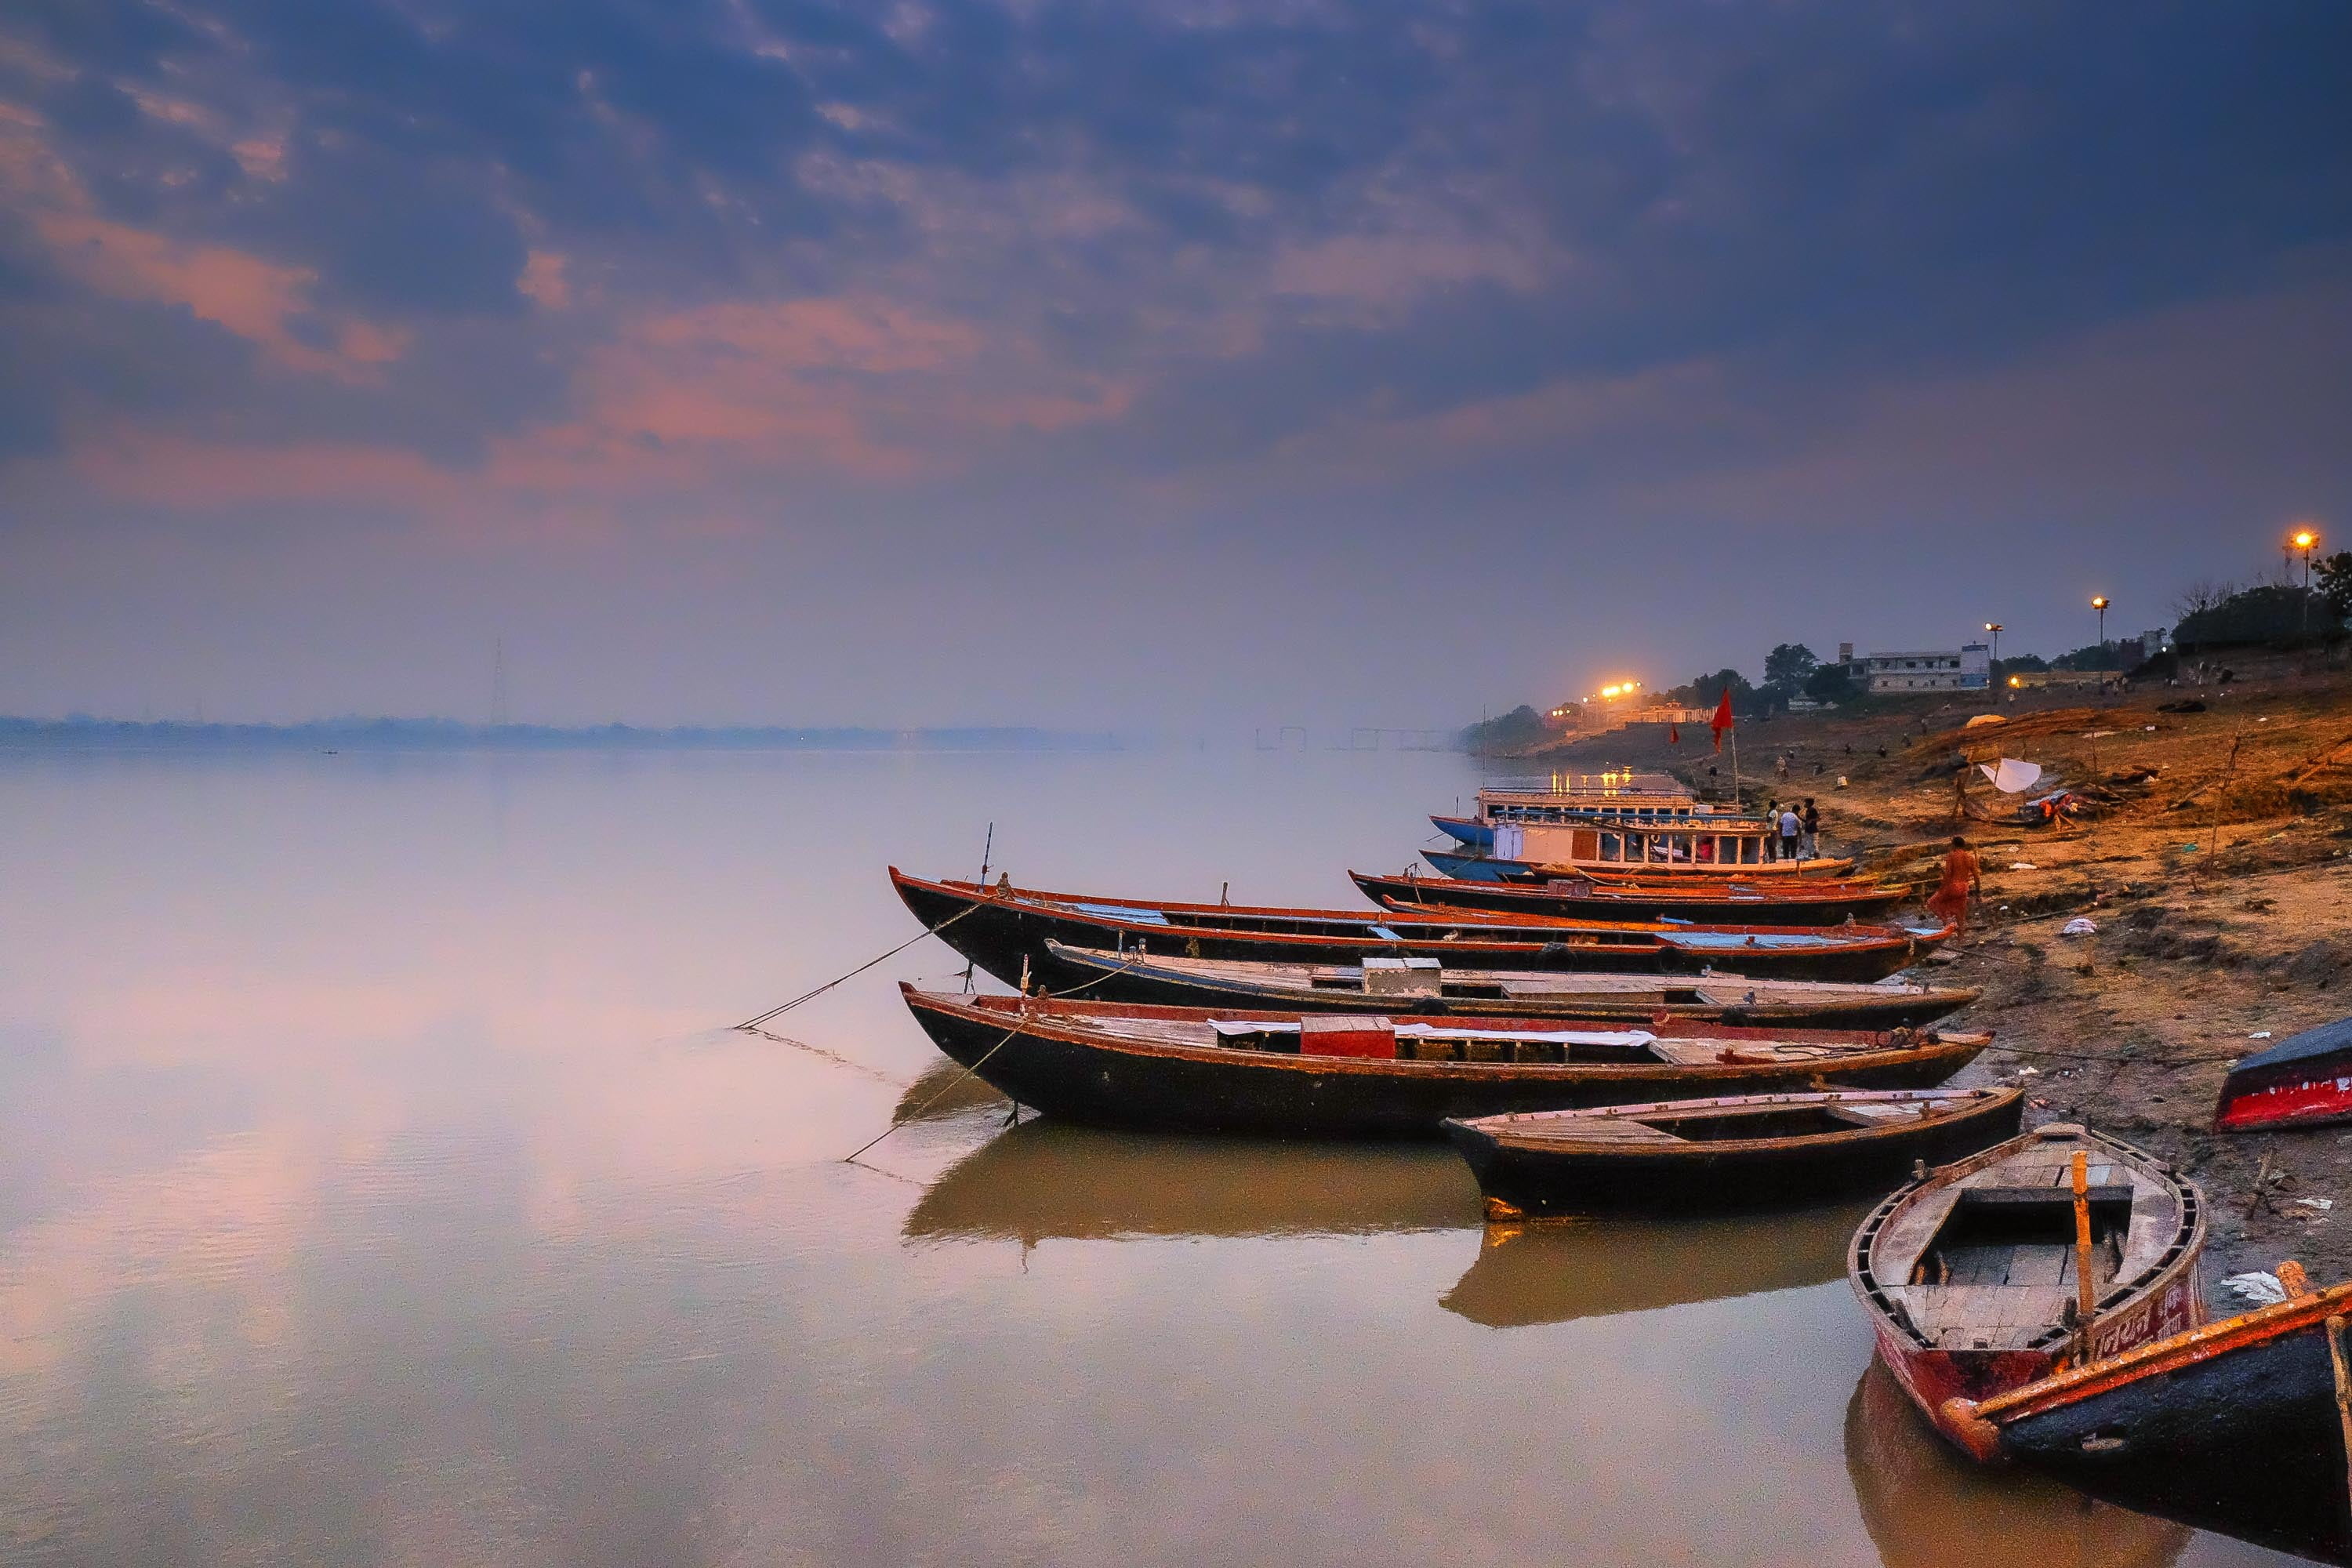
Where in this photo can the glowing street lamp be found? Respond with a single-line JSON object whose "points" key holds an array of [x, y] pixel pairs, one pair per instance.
{"points": [[2305, 539], [1994, 628]]}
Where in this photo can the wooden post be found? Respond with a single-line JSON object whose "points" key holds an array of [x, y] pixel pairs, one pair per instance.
{"points": [[2086, 1295], [2343, 1398]]}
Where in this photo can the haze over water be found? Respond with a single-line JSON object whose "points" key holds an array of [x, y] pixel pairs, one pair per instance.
{"points": [[378, 1185]]}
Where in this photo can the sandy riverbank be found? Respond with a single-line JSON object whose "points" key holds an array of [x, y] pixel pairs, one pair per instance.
{"points": [[2221, 888]]}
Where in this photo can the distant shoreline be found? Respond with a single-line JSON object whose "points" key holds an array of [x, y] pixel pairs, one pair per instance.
{"points": [[447, 735]]}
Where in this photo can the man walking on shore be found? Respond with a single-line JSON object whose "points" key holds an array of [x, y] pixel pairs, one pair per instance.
{"points": [[1812, 844], [1790, 828], [1962, 879]]}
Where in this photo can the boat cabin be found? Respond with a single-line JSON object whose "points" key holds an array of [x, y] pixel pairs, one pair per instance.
{"points": [[1618, 844], [1636, 797]]}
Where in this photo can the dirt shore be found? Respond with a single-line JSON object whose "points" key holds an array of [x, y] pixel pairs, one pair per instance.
{"points": [[2217, 867]]}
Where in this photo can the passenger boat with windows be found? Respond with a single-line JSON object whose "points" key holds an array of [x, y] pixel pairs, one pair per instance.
{"points": [[1570, 797], [1296, 1074], [2242, 1426], [1747, 1150], [1424, 986], [1609, 847], [2057, 1248], [1800, 901], [1005, 929]]}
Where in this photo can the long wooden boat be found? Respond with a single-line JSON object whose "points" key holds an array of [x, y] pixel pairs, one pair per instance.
{"points": [[1747, 1150], [2304, 1080], [1804, 901], [2244, 1425], [1969, 1272], [1530, 871], [1424, 986], [1005, 929], [1289, 1074]]}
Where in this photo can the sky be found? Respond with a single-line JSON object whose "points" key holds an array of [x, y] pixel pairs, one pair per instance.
{"points": [[1124, 364]]}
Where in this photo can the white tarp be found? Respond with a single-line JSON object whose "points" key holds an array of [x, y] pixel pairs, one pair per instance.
{"points": [[2011, 776]]}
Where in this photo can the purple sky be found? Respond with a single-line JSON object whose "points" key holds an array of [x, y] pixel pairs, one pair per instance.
{"points": [[1196, 365]]}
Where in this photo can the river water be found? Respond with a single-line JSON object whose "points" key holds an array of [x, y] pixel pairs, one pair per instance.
{"points": [[379, 1186]]}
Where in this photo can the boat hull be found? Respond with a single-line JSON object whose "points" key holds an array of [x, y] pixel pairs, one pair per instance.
{"points": [[2184, 1445], [1110, 978], [1536, 1180], [1491, 869], [2236, 1427], [1599, 900], [1466, 830], [1008, 937], [1080, 1077]]}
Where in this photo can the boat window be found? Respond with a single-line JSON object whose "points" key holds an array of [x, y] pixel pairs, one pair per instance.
{"points": [[1611, 849]]}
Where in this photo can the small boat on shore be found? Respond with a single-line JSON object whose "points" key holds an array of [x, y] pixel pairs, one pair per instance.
{"points": [[1291, 1074], [1806, 902], [1989, 1273], [1748, 1150], [1424, 986], [2304, 1080], [1005, 928], [2244, 1425]]}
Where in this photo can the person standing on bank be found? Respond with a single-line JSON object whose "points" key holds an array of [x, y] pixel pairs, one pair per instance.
{"points": [[1812, 845], [1772, 830], [1790, 826], [1962, 879]]}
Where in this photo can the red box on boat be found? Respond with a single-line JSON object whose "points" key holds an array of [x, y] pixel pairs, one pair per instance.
{"points": [[1347, 1036]]}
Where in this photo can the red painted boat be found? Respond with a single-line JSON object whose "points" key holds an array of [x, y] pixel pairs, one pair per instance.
{"points": [[1971, 1273], [2304, 1080]]}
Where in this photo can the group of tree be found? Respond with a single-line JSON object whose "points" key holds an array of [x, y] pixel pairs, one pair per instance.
{"points": [[2221, 614], [1791, 670], [1519, 729]]}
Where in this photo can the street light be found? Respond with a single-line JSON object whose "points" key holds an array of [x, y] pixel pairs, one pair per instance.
{"points": [[1994, 628], [2307, 539], [2099, 603]]}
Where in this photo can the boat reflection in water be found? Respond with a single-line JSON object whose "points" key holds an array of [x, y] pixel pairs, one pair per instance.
{"points": [[1927, 1506], [1053, 1180], [1555, 1271]]}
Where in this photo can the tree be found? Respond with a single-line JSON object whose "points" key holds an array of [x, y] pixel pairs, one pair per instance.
{"points": [[1787, 665], [1833, 683], [1520, 728], [2333, 576], [2269, 614], [2201, 596]]}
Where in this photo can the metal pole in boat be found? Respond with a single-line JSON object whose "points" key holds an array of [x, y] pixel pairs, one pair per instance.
{"points": [[987, 847], [2086, 1295]]}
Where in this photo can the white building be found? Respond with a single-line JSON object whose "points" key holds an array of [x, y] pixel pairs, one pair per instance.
{"points": [[1968, 667]]}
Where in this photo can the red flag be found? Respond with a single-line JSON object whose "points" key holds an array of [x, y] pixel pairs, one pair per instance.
{"points": [[1674, 733], [1722, 720]]}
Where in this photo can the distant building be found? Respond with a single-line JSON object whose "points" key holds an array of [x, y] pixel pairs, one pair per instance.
{"points": [[1968, 667]]}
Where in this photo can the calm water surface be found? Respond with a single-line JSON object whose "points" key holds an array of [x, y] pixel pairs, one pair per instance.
{"points": [[376, 1186]]}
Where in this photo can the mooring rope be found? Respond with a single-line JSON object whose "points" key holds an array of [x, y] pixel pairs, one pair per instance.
{"points": [[954, 1083], [778, 1011]]}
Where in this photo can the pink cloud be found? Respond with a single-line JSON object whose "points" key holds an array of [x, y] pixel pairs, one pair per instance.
{"points": [[258, 301]]}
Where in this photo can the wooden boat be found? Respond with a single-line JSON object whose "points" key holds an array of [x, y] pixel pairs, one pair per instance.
{"points": [[1289, 1074], [2244, 1425], [1971, 1276], [2304, 1080], [1699, 846], [1806, 902], [1005, 929], [1422, 986], [1751, 1150], [1530, 870], [1648, 798]]}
